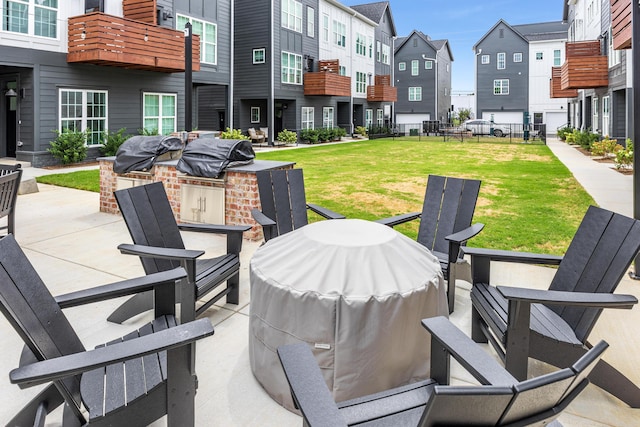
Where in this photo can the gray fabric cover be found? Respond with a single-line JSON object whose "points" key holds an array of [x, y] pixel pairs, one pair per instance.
{"points": [[355, 291]]}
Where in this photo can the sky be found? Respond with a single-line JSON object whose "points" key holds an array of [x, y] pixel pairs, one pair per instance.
{"points": [[464, 22]]}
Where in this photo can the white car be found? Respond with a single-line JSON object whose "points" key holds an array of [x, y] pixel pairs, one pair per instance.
{"points": [[483, 127]]}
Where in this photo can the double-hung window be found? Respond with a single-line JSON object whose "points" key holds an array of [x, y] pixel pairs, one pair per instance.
{"points": [[415, 64], [361, 82], [327, 117], [311, 21], [17, 14], [605, 115], [386, 54], [208, 33], [307, 118], [368, 117], [159, 112], [84, 111], [380, 114], [339, 33], [557, 57], [501, 61], [594, 110], [415, 93], [501, 87], [325, 28], [255, 114], [292, 15], [291, 67], [361, 44]]}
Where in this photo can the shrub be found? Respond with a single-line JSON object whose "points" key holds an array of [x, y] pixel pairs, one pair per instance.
{"points": [[585, 138], [324, 134], [148, 132], [69, 146], [361, 130], [310, 135], [287, 136], [229, 133], [339, 133], [113, 141], [624, 157], [605, 147], [562, 132]]}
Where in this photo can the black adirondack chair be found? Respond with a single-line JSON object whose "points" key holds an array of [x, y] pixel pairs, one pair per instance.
{"points": [[284, 204], [10, 176], [500, 400], [554, 325], [157, 241], [132, 381], [445, 222]]}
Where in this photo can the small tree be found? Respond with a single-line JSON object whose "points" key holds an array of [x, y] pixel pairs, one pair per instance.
{"points": [[464, 114], [69, 146]]}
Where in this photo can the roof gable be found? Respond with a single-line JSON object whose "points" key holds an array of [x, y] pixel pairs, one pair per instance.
{"points": [[376, 12], [495, 26]]}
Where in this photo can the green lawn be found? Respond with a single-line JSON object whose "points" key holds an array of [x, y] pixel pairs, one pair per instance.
{"points": [[528, 200]]}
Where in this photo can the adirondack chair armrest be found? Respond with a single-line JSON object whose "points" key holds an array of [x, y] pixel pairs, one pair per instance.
{"points": [[324, 212], [585, 299], [157, 252], [456, 240], [447, 339], [392, 221], [511, 256], [308, 388], [233, 232], [74, 364], [122, 288], [262, 219]]}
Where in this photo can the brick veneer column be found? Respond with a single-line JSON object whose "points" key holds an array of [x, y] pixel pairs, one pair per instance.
{"points": [[108, 184]]}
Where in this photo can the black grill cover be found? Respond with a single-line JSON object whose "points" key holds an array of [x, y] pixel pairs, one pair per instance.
{"points": [[209, 157], [139, 152]]}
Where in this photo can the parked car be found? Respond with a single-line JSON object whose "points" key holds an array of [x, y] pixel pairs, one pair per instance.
{"points": [[483, 127]]}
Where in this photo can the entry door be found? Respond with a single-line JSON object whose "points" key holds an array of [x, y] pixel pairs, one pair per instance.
{"points": [[8, 145]]}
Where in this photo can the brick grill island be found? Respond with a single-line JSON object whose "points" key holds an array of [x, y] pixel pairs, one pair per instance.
{"points": [[240, 188]]}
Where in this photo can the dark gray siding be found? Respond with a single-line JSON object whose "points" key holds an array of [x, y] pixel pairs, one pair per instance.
{"points": [[425, 78], [516, 73], [384, 34]]}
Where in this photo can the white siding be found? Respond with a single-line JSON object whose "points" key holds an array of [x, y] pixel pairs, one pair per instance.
{"points": [[540, 75]]}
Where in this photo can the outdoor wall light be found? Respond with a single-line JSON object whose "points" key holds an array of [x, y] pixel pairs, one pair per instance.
{"points": [[146, 35], [11, 93], [83, 35]]}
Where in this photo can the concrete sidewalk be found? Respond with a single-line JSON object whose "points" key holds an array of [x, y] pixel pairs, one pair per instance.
{"points": [[73, 246]]}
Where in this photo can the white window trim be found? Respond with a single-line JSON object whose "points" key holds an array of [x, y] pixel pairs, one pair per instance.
{"points": [[84, 118], [311, 22], [415, 67], [328, 117], [517, 57], [361, 82], [501, 87], [291, 20], [298, 71], [368, 117], [160, 117], [402, 66], [31, 25], [428, 65], [255, 114], [415, 94], [264, 53], [203, 38], [485, 59], [307, 114], [501, 60]]}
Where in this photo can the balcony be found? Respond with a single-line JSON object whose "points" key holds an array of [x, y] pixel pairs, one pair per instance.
{"points": [[621, 23], [584, 67], [382, 91], [327, 81], [556, 90], [101, 39]]}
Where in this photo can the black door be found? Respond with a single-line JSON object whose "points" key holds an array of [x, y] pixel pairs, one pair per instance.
{"points": [[10, 137]]}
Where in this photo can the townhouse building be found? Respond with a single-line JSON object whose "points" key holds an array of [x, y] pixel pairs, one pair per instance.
{"points": [[513, 68], [423, 79], [95, 66], [312, 64], [596, 68]]}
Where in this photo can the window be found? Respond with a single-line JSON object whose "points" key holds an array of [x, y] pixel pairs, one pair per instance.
{"points": [[307, 118], [255, 114], [428, 65], [517, 57], [415, 93], [325, 28], [339, 33], [208, 33], [368, 117], [292, 15], [402, 66], [501, 33], [291, 68], [386, 54], [361, 44], [501, 87], [485, 59], [258, 56], [370, 43], [501, 61], [342, 70], [538, 56], [378, 50], [556, 58], [380, 117], [84, 110], [311, 21], [16, 15], [159, 113], [605, 115], [415, 64], [327, 117], [594, 110], [615, 56], [361, 82]]}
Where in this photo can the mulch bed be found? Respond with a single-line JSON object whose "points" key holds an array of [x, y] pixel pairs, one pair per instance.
{"points": [[602, 160]]}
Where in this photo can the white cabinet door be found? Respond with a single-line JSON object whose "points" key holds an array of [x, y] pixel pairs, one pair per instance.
{"points": [[202, 204]]}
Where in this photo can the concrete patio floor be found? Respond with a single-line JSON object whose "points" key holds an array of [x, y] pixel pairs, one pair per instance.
{"points": [[73, 246]]}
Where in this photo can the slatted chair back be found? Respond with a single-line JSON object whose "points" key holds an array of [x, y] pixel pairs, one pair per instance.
{"points": [[283, 199], [33, 312], [10, 176], [449, 204], [466, 405], [597, 258], [150, 220]]}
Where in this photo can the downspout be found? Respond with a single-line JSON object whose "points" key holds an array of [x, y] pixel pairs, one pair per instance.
{"points": [[271, 100], [232, 67]]}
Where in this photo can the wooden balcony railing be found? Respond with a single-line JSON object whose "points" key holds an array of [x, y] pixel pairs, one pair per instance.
{"points": [[584, 67], [327, 81], [101, 39], [382, 91], [556, 90], [621, 23]]}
